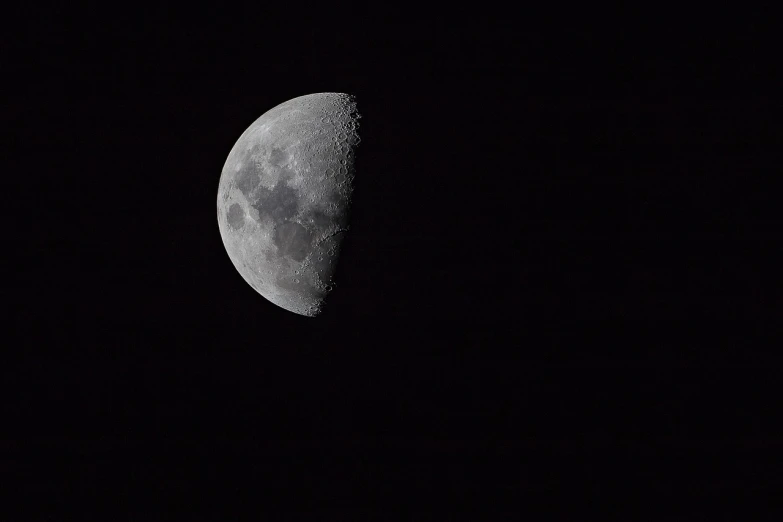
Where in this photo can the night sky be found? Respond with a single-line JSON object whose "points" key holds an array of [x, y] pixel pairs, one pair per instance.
{"points": [[560, 298]]}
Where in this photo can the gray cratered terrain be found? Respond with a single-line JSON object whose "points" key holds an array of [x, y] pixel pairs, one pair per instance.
{"points": [[284, 197]]}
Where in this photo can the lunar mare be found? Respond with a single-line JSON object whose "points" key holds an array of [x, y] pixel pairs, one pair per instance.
{"points": [[284, 198]]}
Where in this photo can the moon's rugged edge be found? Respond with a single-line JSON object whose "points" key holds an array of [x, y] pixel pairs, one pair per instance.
{"points": [[284, 198]]}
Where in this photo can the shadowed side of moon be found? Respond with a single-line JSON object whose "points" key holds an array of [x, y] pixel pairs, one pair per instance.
{"points": [[284, 198]]}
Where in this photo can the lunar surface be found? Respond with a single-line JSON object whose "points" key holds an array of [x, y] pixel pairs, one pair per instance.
{"points": [[284, 198]]}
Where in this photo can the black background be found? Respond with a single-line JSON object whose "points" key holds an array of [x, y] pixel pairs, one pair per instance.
{"points": [[560, 297]]}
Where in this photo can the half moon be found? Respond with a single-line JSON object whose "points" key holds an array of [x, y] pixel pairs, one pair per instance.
{"points": [[284, 198]]}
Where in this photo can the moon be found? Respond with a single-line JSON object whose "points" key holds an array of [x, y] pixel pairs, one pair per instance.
{"points": [[284, 198]]}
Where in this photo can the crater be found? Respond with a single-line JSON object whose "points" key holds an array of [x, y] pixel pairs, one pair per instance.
{"points": [[324, 266]]}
